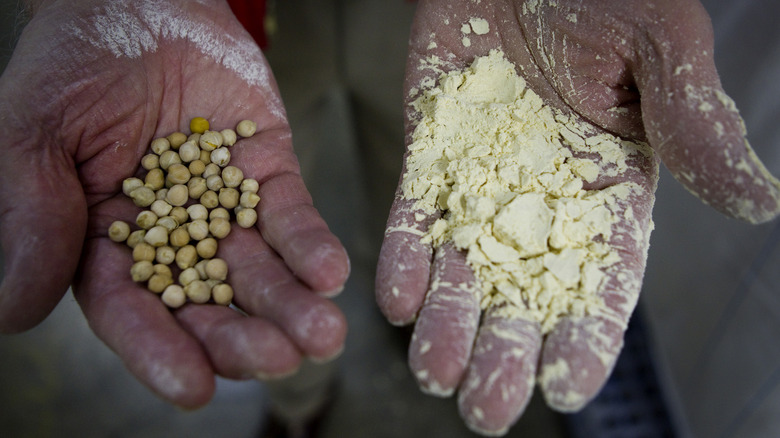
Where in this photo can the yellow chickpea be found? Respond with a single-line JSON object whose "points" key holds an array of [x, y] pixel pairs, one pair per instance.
{"points": [[199, 125]]}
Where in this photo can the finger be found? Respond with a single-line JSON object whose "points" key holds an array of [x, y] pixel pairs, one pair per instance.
{"points": [[291, 225], [693, 125], [238, 346], [286, 217], [42, 226], [500, 379], [265, 287], [137, 326], [403, 269], [444, 333], [578, 357], [579, 353]]}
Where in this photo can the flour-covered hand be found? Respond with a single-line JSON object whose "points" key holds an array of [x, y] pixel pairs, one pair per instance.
{"points": [[90, 84], [638, 76]]}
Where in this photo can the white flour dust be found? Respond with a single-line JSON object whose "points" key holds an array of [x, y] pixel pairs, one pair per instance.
{"points": [[130, 28]]}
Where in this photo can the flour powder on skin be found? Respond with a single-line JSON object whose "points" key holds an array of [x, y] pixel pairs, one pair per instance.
{"points": [[129, 28], [504, 169]]}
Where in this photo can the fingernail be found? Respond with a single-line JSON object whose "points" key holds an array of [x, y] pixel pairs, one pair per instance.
{"points": [[326, 359], [263, 376], [331, 293]]}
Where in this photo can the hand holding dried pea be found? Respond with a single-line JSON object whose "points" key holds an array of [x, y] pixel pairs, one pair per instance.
{"points": [[68, 152]]}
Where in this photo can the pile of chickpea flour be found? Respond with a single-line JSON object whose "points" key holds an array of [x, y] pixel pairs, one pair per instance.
{"points": [[503, 169], [191, 195]]}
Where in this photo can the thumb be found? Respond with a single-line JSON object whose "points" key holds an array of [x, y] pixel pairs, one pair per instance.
{"points": [[694, 126], [42, 226]]}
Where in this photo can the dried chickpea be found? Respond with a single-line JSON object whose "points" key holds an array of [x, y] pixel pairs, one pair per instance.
{"points": [[219, 227], [180, 214], [189, 151], [207, 248], [165, 255], [162, 269], [212, 282], [250, 185], [178, 174], [246, 128], [210, 140], [119, 231], [178, 195], [209, 199], [220, 157], [179, 237], [160, 208], [146, 219], [198, 211], [217, 269], [158, 282], [211, 169], [188, 275], [160, 195], [176, 139], [199, 125], [160, 145], [198, 229], [130, 184], [155, 179], [194, 137], [246, 217], [141, 271], [142, 196], [201, 268], [135, 238], [168, 158], [186, 257], [156, 236], [144, 251], [150, 161], [197, 167], [228, 137], [169, 222], [214, 182], [222, 294], [205, 156], [232, 176], [228, 198], [219, 212], [198, 291], [249, 200], [173, 296]]}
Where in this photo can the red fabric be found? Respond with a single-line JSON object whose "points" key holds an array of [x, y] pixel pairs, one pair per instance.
{"points": [[251, 14]]}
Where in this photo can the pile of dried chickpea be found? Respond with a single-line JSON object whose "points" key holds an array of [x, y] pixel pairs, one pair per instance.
{"points": [[191, 194]]}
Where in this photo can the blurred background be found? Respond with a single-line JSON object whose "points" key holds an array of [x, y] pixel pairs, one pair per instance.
{"points": [[701, 358]]}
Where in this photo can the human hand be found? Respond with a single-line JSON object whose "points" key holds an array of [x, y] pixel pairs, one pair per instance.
{"points": [[643, 71], [90, 84]]}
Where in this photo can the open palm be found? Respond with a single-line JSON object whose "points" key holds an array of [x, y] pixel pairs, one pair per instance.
{"points": [[91, 83], [640, 70]]}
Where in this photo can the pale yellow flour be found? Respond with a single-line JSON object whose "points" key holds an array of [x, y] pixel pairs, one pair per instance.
{"points": [[500, 164]]}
